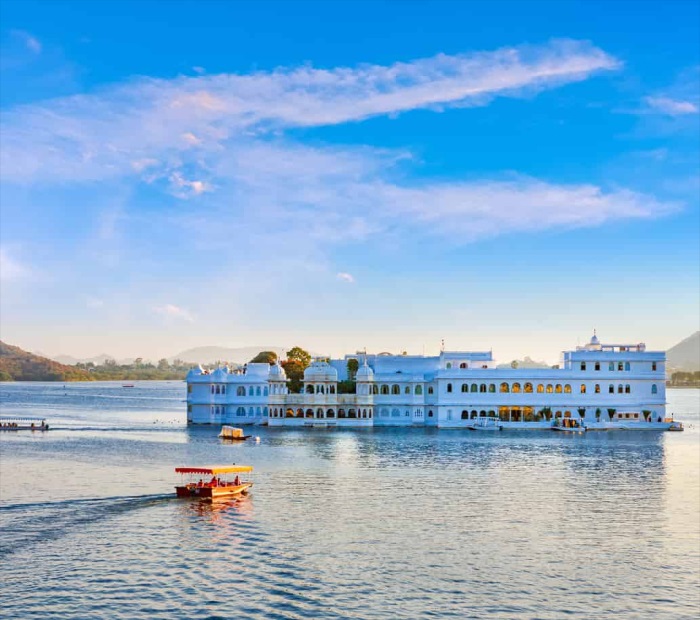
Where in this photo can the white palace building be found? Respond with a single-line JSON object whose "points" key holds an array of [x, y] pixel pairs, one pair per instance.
{"points": [[599, 385]]}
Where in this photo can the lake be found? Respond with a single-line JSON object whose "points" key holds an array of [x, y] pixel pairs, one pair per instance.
{"points": [[365, 523]]}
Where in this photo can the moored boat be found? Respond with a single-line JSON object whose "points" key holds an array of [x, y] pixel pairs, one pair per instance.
{"points": [[23, 424], [233, 434], [568, 425], [214, 486], [486, 424]]}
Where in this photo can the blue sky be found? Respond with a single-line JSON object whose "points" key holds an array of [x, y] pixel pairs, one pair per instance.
{"points": [[503, 175]]}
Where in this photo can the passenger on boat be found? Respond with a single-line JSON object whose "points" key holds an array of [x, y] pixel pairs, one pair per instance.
{"points": [[200, 483], [212, 482], [237, 481]]}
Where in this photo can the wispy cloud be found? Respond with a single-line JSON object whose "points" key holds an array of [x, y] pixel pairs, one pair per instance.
{"points": [[11, 269], [30, 41], [345, 277], [96, 136], [173, 312], [671, 107]]}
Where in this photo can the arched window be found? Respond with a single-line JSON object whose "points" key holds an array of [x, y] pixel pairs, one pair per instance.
{"points": [[331, 389], [240, 391], [583, 365], [653, 365], [516, 388], [449, 365], [627, 389], [620, 366], [300, 413], [319, 413], [240, 412], [597, 388], [463, 365], [567, 389], [465, 387], [218, 390], [213, 389], [540, 388], [289, 413], [321, 389], [309, 389], [419, 389], [597, 366], [251, 412], [653, 388], [251, 391], [258, 411], [430, 413], [375, 389], [341, 413], [492, 388], [430, 389], [265, 391], [449, 387], [482, 388], [309, 413], [385, 389], [583, 388], [330, 413], [257, 391], [627, 366], [619, 388], [265, 411], [482, 414], [395, 389], [395, 413], [407, 389], [504, 387], [611, 366], [557, 388], [475, 387], [611, 389], [550, 389], [465, 415], [528, 388], [223, 389]]}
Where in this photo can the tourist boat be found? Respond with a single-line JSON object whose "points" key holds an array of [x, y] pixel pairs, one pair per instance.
{"points": [[568, 425], [676, 426], [127, 385], [210, 485], [486, 424], [233, 434], [23, 424]]}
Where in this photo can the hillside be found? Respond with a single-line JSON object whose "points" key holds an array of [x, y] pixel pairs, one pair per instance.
{"points": [[685, 355], [525, 363], [210, 355], [19, 365]]}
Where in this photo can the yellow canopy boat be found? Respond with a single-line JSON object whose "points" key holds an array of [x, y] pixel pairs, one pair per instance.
{"points": [[211, 485]]}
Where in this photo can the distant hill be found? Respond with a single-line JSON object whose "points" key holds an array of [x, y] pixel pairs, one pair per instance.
{"points": [[19, 365], [526, 363], [98, 360], [685, 355], [209, 355]]}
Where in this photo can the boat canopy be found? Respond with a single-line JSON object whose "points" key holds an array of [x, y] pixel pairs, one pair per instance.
{"points": [[215, 470]]}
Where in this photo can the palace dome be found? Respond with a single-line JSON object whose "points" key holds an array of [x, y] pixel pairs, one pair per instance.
{"points": [[364, 373], [320, 371], [277, 373]]}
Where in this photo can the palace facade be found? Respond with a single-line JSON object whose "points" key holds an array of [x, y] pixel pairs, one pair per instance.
{"points": [[602, 385]]}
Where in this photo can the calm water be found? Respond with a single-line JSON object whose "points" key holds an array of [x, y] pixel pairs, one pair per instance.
{"points": [[341, 524]]}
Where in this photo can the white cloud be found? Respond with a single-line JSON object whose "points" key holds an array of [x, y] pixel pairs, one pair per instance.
{"points": [[173, 312], [345, 277], [11, 269], [30, 41], [97, 136], [670, 107]]}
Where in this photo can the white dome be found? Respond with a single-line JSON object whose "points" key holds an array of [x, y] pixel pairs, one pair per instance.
{"points": [[277, 373], [364, 373], [595, 340], [320, 371]]}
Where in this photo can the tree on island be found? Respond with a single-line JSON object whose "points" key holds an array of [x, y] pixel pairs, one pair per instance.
{"points": [[353, 367], [294, 366], [265, 357], [163, 364]]}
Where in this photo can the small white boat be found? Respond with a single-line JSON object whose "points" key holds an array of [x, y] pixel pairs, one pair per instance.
{"points": [[676, 426], [486, 424], [232, 433], [567, 425]]}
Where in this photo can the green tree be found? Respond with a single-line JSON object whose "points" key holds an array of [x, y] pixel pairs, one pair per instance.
{"points": [[299, 355], [514, 364], [353, 367], [138, 361], [265, 357], [295, 375], [163, 364]]}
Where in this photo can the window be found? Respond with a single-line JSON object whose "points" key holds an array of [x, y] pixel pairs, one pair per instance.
{"points": [[395, 413], [611, 366], [516, 388], [653, 388], [257, 391], [395, 389], [385, 389], [251, 392], [504, 387], [557, 389], [597, 366], [528, 388], [583, 388], [583, 365], [482, 388], [265, 391], [492, 388], [627, 389], [449, 365], [611, 389], [449, 387], [407, 389], [375, 389], [419, 389], [331, 389], [430, 391], [540, 388], [475, 387], [430, 413], [620, 366], [550, 389], [597, 388], [463, 365], [619, 389], [465, 415], [465, 387], [627, 366], [567, 389], [213, 389], [653, 365], [240, 412], [240, 391]]}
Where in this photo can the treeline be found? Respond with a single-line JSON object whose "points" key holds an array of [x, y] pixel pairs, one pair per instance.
{"points": [[109, 370], [19, 365], [685, 379]]}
